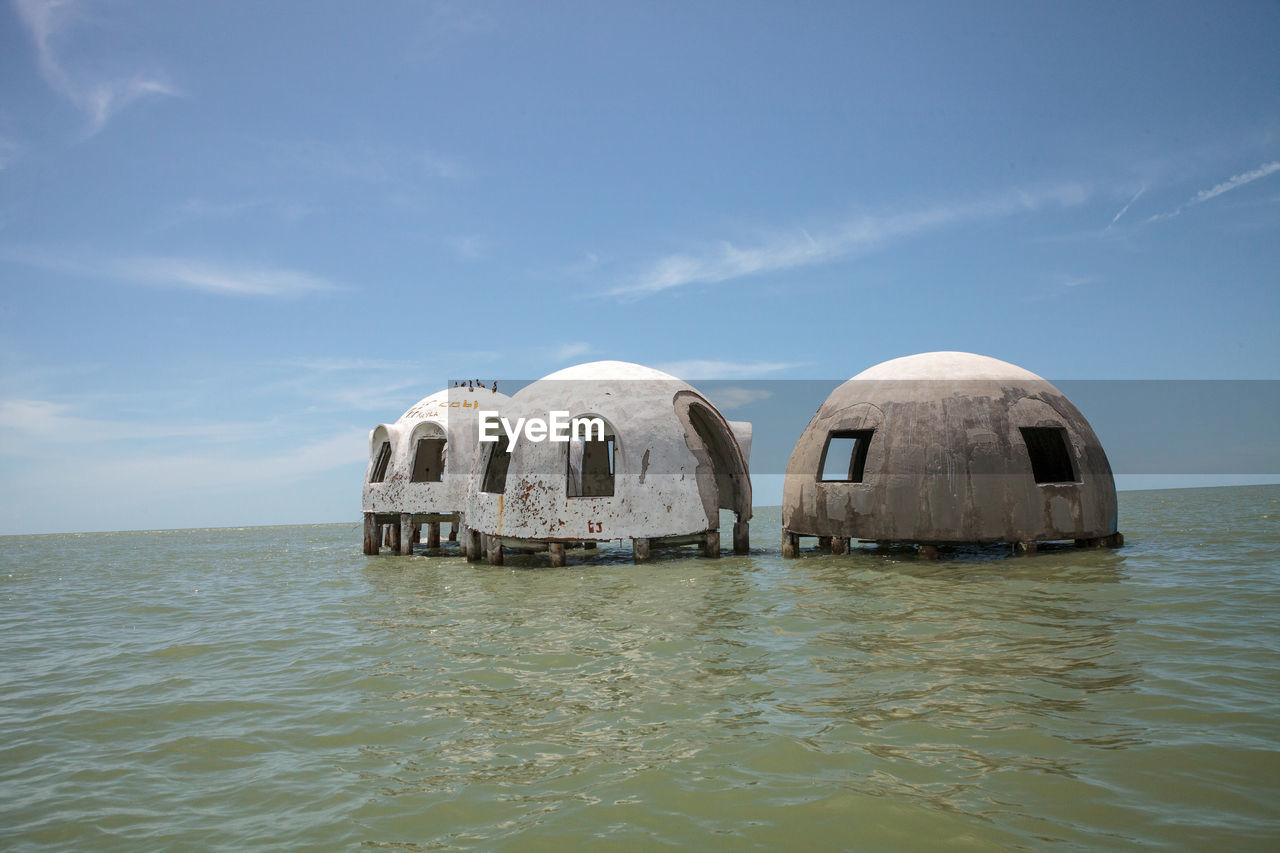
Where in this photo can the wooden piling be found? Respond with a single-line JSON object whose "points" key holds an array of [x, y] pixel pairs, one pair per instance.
{"points": [[928, 552], [711, 546], [370, 533], [790, 544], [639, 550], [556, 551], [839, 545], [471, 541], [1022, 549], [394, 534], [824, 543], [453, 531], [433, 534], [741, 537]]}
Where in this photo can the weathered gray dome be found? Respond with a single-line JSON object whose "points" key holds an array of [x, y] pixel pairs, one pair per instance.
{"points": [[422, 462], [665, 464], [949, 447]]}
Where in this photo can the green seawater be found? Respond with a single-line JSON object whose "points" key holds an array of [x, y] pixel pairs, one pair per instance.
{"points": [[272, 688]]}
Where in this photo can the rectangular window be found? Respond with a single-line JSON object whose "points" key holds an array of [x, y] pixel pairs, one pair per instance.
{"points": [[428, 461], [844, 456], [591, 468], [380, 464], [495, 473], [1050, 456]]}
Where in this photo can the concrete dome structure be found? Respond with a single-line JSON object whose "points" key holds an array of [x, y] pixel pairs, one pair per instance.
{"points": [[659, 465], [420, 467], [948, 448]]}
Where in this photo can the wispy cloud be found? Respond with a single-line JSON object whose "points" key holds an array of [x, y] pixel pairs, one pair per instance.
{"points": [[1236, 181], [1232, 183], [447, 23], [181, 274], [200, 208], [49, 422], [9, 151], [373, 163], [801, 248], [334, 365], [187, 471], [188, 274], [707, 369], [727, 399], [440, 166], [358, 384], [469, 247], [568, 351], [197, 486], [47, 22], [1125, 209]]}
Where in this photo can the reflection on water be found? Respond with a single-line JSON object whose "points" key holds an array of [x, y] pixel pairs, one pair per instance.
{"points": [[891, 677], [254, 688]]}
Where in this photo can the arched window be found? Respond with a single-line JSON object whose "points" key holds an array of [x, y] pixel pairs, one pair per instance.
{"points": [[593, 449], [380, 463], [428, 455], [495, 470]]}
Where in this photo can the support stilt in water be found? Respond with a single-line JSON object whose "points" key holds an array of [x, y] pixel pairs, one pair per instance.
{"points": [[493, 550], [790, 544], [471, 540], [556, 550], [386, 535], [839, 545], [433, 534], [741, 537], [370, 533], [417, 533], [928, 552], [590, 546], [453, 531], [405, 529], [711, 547], [824, 543], [1023, 548], [639, 550], [394, 535]]}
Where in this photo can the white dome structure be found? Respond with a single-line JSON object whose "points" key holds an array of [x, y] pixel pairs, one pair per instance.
{"points": [[646, 457], [948, 448], [420, 467]]}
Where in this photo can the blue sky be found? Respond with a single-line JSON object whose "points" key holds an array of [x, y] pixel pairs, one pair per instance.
{"points": [[234, 236]]}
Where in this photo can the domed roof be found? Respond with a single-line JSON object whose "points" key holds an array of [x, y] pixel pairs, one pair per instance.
{"points": [[408, 481], [675, 460], [946, 365], [436, 406], [949, 447], [611, 370]]}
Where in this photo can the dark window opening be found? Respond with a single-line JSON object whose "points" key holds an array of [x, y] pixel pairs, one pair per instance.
{"points": [[1050, 457], [844, 456], [380, 464], [495, 472], [591, 467], [428, 461]]}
